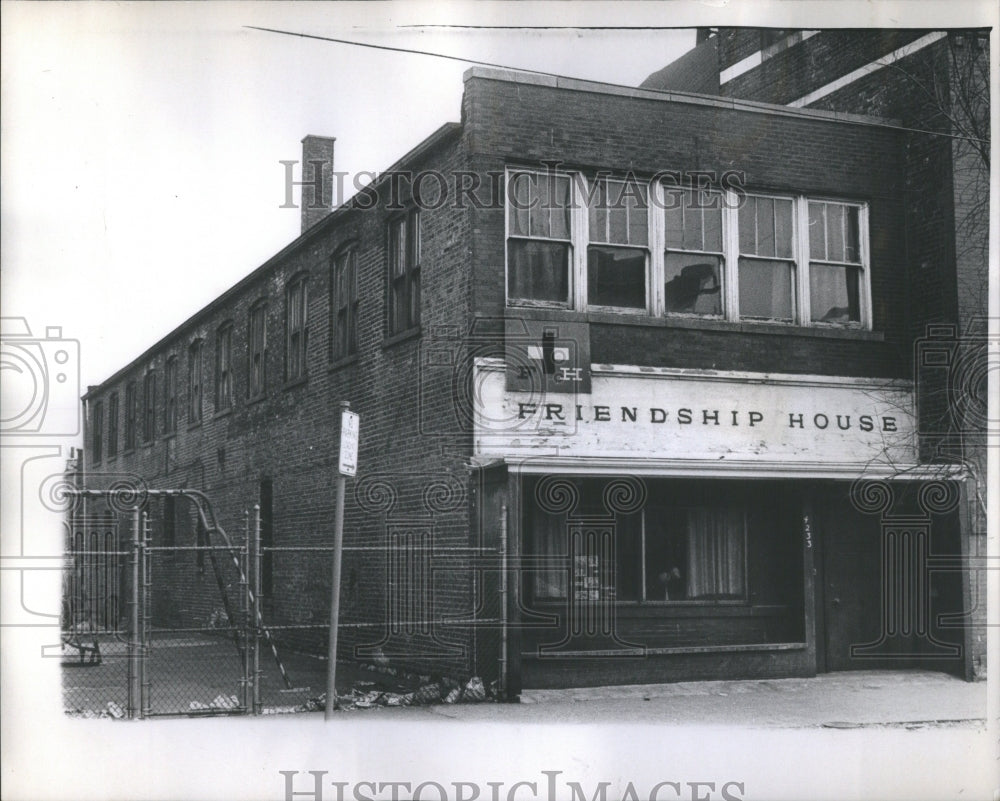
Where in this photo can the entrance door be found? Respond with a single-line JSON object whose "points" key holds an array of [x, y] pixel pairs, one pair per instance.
{"points": [[880, 600], [851, 583]]}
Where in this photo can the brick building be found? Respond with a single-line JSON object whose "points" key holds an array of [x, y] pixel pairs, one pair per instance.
{"points": [[621, 356]]}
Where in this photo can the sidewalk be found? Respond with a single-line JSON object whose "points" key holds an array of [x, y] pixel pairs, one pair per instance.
{"points": [[911, 699]]}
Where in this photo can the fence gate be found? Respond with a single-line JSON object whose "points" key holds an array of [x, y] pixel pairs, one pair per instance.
{"points": [[159, 615]]}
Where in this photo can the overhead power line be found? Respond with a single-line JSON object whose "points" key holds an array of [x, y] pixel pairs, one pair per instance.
{"points": [[732, 102]]}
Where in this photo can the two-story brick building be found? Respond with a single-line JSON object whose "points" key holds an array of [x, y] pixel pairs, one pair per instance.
{"points": [[621, 357]]}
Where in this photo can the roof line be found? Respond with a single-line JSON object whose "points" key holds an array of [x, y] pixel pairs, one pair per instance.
{"points": [[673, 96], [438, 137]]}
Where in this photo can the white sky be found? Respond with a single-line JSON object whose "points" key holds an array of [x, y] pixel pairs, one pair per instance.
{"points": [[141, 142]]}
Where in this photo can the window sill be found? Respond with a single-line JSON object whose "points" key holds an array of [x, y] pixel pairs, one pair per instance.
{"points": [[256, 399], [342, 362], [691, 323], [402, 336], [294, 383], [223, 413], [193, 426], [682, 649]]}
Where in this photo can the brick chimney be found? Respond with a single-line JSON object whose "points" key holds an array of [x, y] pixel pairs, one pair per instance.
{"points": [[317, 179]]}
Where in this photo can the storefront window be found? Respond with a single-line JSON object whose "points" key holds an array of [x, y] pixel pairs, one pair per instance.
{"points": [[695, 553], [666, 551]]}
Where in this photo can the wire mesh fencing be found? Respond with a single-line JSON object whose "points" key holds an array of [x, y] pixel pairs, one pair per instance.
{"points": [[169, 613]]}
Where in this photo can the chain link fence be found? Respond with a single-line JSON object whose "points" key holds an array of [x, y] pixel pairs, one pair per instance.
{"points": [[168, 613]]}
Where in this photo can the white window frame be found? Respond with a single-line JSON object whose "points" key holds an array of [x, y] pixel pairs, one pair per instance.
{"points": [[658, 243], [651, 210], [578, 224], [864, 276], [581, 185]]}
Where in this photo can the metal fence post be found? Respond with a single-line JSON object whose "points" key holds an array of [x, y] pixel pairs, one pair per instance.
{"points": [[144, 616], [133, 642], [245, 602], [257, 619]]}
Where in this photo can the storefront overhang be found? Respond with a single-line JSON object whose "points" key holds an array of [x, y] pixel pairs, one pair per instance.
{"points": [[688, 468]]}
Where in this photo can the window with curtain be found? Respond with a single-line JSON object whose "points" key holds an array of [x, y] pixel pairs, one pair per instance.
{"points": [[693, 265], [617, 256], [767, 258], [538, 238], [835, 263], [661, 553]]}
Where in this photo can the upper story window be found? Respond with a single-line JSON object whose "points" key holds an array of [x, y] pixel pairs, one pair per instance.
{"points": [[344, 305], [404, 272], [195, 382], [131, 414], [224, 367], [296, 332], [149, 406], [618, 252], [836, 264], [683, 251], [767, 258], [113, 424], [693, 261], [97, 433], [539, 238], [257, 349], [170, 396]]}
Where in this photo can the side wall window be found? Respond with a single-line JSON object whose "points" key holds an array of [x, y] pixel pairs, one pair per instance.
{"points": [[194, 382], [131, 414], [113, 424], [149, 407], [344, 304], [257, 350], [97, 433], [170, 396], [224, 368], [296, 330], [404, 272]]}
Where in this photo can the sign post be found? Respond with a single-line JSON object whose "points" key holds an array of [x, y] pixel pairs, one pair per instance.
{"points": [[348, 466]]}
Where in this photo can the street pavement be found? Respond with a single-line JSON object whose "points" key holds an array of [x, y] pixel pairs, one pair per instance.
{"points": [[910, 699]]}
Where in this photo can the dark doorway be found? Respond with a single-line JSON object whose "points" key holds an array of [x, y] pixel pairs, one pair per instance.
{"points": [[880, 600]]}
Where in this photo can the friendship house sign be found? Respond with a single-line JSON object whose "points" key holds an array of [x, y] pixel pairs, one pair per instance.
{"points": [[693, 414]]}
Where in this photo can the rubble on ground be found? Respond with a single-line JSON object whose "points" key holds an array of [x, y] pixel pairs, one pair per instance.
{"points": [[366, 695]]}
